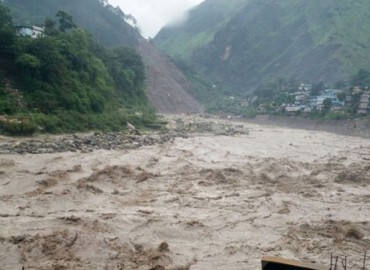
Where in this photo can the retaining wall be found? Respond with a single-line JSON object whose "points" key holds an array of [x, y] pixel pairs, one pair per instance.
{"points": [[358, 127]]}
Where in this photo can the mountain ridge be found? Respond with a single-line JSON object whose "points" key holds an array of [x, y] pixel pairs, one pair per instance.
{"points": [[307, 41]]}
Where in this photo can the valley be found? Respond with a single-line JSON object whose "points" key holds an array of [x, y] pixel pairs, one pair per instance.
{"points": [[205, 147]]}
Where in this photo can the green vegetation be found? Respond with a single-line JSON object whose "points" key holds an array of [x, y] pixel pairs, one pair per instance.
{"points": [[284, 98], [198, 31], [106, 23], [310, 41], [215, 98], [66, 82]]}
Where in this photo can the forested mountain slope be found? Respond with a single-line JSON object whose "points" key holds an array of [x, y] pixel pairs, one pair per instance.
{"points": [[261, 40], [182, 39], [108, 26], [105, 22], [65, 81]]}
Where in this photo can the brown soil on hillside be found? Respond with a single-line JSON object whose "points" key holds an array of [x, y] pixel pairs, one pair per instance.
{"points": [[167, 87]]}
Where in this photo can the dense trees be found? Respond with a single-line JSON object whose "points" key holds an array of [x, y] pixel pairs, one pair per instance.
{"points": [[106, 23], [7, 34], [361, 79], [65, 21], [68, 82]]}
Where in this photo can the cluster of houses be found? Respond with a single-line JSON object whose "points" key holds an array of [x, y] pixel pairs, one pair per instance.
{"points": [[303, 101]]}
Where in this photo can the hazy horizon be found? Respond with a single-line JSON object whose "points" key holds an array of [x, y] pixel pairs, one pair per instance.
{"points": [[152, 16]]}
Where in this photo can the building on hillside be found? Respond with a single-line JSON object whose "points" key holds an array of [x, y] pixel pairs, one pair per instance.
{"points": [[293, 108], [363, 107], [296, 108], [305, 87], [356, 90], [29, 31], [317, 102]]}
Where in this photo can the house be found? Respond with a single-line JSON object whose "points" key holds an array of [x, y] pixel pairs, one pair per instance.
{"points": [[294, 108], [305, 87], [317, 103], [29, 31], [300, 96], [363, 107]]}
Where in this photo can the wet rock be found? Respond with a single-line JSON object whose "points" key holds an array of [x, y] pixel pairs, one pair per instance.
{"points": [[86, 144], [131, 139], [212, 127]]}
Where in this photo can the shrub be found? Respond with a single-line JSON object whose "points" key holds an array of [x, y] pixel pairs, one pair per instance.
{"points": [[47, 123], [17, 127]]}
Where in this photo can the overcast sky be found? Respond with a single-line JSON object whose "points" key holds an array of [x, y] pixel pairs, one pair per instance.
{"points": [[153, 14]]}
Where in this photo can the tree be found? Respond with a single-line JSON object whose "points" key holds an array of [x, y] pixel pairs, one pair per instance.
{"points": [[28, 61], [281, 84], [327, 103], [65, 21], [5, 18], [317, 88], [50, 27], [362, 78], [127, 70], [341, 96], [7, 31]]}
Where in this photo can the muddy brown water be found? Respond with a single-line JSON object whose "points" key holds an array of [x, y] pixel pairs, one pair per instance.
{"points": [[203, 202]]}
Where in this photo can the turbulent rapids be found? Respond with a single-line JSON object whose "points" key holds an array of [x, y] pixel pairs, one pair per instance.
{"points": [[209, 200]]}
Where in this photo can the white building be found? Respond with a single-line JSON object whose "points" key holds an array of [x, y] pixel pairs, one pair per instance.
{"points": [[294, 108], [29, 31]]}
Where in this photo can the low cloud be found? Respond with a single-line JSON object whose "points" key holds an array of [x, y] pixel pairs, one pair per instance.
{"points": [[153, 15]]}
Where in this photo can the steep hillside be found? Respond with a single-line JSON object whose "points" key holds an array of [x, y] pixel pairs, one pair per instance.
{"points": [[168, 88], [181, 40], [65, 81], [263, 39], [103, 21], [109, 27]]}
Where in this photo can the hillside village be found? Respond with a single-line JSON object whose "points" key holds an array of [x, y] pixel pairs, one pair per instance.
{"points": [[350, 102], [328, 99]]}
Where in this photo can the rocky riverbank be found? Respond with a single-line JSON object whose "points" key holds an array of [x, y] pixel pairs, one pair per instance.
{"points": [[176, 127]]}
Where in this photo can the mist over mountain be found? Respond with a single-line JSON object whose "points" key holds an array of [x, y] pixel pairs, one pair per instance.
{"points": [[244, 43], [110, 27], [104, 21]]}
